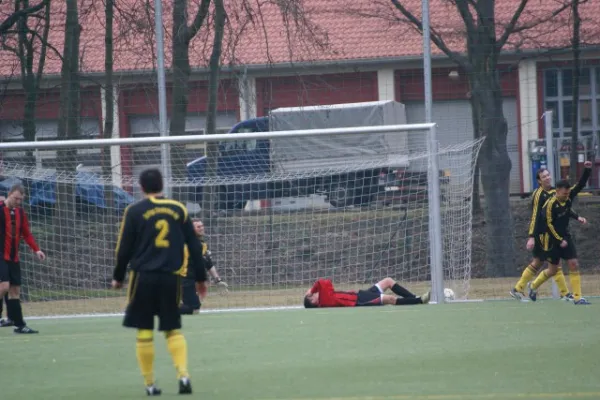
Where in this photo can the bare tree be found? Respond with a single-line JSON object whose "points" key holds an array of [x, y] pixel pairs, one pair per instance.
{"points": [[28, 42], [209, 199], [484, 43], [182, 36], [30, 45], [109, 102], [576, 49], [12, 19], [69, 120]]}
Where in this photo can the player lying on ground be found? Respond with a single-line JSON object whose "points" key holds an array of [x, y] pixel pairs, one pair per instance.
{"points": [[534, 244], [557, 240], [191, 302], [151, 241], [323, 294], [14, 226]]}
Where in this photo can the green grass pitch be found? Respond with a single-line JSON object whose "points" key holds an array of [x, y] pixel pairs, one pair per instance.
{"points": [[492, 350]]}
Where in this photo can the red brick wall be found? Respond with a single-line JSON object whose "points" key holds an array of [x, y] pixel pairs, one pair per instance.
{"points": [[293, 91]]}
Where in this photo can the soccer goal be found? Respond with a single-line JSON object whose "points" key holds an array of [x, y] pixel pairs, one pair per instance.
{"points": [[281, 209]]}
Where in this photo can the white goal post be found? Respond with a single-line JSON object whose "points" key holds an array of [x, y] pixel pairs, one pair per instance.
{"points": [[280, 209]]}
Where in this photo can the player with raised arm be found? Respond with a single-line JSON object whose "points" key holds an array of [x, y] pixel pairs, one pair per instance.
{"points": [[190, 301], [14, 226], [322, 294], [534, 244], [557, 240], [151, 241]]}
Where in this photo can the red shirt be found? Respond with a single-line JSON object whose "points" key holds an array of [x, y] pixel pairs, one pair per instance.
{"points": [[14, 226], [328, 297]]}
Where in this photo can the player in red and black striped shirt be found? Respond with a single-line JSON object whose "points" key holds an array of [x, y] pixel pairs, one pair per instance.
{"points": [[14, 226], [323, 294]]}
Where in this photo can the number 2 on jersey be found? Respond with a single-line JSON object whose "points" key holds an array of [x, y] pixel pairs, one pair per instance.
{"points": [[162, 226]]}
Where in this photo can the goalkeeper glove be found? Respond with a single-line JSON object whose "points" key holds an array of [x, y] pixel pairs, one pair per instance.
{"points": [[223, 286]]}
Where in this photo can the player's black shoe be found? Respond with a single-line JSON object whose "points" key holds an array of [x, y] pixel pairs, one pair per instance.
{"points": [[532, 292], [4, 322], [185, 386], [24, 330], [153, 391]]}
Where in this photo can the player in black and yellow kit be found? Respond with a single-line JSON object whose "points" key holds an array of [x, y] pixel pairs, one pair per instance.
{"points": [[190, 301], [151, 241], [540, 196], [557, 240]]}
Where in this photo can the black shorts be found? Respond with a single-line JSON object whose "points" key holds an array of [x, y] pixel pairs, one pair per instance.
{"points": [[189, 296], [10, 272], [538, 249], [369, 297], [556, 253], [150, 295]]}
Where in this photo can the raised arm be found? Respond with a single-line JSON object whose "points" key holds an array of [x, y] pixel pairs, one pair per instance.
{"points": [[578, 187], [124, 246]]}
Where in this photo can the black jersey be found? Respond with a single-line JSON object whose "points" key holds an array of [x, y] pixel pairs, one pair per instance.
{"points": [[153, 236]]}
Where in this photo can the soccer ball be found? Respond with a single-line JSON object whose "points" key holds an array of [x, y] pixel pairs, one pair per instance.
{"points": [[448, 294]]}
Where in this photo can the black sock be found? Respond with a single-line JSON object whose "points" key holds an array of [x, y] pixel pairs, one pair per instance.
{"points": [[405, 301], [1, 307], [400, 291], [15, 312]]}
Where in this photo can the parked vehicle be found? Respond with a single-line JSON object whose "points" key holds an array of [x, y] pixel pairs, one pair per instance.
{"points": [[344, 168]]}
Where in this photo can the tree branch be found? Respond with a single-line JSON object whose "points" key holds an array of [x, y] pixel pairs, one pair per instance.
{"points": [[14, 17], [466, 15], [510, 28], [49, 45], [44, 47], [199, 19], [435, 38]]}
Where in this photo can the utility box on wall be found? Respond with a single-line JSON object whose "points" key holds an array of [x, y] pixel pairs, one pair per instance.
{"points": [[538, 159]]}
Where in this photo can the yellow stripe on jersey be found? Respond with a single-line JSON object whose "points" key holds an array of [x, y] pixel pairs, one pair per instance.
{"points": [[173, 203], [536, 209], [121, 229], [549, 205], [183, 270]]}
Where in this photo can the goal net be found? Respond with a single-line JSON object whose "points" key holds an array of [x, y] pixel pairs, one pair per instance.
{"points": [[281, 209]]}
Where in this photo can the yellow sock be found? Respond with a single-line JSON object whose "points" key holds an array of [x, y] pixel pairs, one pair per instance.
{"points": [[177, 346], [145, 355], [539, 281], [575, 279], [561, 282], [528, 274]]}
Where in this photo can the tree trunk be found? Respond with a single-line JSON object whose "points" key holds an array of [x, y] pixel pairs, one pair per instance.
{"points": [[109, 103], [68, 124], [210, 194], [181, 79], [475, 197], [575, 40], [29, 125], [30, 79], [495, 169]]}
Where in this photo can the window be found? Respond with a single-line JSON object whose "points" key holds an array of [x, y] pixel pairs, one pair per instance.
{"points": [[558, 97], [551, 78]]}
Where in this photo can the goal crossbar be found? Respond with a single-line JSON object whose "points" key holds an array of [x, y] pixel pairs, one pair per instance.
{"points": [[221, 137]]}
